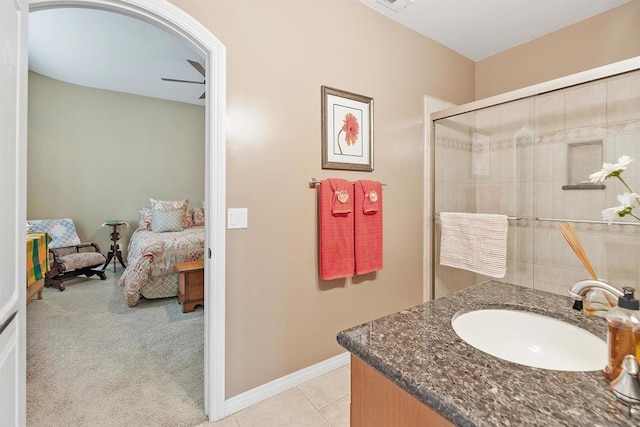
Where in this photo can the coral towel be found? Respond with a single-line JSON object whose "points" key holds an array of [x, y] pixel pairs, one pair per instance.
{"points": [[474, 242], [368, 226], [335, 213]]}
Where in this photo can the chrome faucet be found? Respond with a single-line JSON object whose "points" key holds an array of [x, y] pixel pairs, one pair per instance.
{"points": [[578, 290]]}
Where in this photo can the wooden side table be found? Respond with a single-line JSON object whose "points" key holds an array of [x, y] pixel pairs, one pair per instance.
{"points": [[190, 284], [114, 252], [34, 289]]}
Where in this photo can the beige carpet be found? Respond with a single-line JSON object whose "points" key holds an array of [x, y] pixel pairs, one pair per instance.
{"points": [[93, 361]]}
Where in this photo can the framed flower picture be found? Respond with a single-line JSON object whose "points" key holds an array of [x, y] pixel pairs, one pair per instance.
{"points": [[347, 130]]}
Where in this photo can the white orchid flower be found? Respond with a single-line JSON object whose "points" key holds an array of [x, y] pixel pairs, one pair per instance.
{"points": [[602, 174], [610, 214], [623, 162], [627, 201], [610, 169]]}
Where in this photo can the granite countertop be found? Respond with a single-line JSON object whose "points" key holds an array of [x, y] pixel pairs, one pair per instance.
{"points": [[419, 351]]}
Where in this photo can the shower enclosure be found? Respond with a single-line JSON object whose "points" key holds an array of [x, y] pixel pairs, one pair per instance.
{"points": [[528, 155]]}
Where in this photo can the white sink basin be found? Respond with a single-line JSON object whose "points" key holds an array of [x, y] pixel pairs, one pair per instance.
{"points": [[532, 339]]}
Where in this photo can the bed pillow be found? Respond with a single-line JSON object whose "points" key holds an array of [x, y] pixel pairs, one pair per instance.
{"points": [[190, 218], [198, 217], [144, 219], [163, 221], [172, 205]]}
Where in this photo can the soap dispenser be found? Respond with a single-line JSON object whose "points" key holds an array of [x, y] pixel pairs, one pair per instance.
{"points": [[623, 335]]}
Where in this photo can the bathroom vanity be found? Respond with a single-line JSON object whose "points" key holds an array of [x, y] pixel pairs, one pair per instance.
{"points": [[411, 368]]}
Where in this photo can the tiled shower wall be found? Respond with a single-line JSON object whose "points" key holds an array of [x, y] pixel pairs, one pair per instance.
{"points": [[514, 159]]}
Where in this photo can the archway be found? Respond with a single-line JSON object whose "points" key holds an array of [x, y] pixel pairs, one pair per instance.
{"points": [[172, 19]]}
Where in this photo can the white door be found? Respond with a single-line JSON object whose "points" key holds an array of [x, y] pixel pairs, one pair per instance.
{"points": [[13, 91]]}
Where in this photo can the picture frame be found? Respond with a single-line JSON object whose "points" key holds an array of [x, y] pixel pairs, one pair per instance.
{"points": [[347, 130]]}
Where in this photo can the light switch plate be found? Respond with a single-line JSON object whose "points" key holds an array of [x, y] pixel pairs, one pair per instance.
{"points": [[237, 218]]}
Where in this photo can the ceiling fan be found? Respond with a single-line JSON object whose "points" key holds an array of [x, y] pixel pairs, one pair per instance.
{"points": [[198, 67]]}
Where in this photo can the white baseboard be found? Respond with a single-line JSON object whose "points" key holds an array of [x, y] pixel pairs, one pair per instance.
{"points": [[270, 389]]}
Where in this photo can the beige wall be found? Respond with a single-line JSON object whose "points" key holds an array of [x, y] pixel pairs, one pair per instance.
{"points": [[95, 155], [603, 39], [280, 316]]}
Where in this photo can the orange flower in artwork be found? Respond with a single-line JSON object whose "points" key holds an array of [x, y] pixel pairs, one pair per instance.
{"points": [[351, 129]]}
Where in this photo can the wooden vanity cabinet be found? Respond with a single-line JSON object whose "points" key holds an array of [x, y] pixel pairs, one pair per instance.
{"points": [[378, 402]]}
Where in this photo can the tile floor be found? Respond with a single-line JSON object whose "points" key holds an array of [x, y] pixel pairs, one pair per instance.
{"points": [[321, 402]]}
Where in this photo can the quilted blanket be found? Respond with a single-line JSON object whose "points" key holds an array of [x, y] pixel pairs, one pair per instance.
{"points": [[152, 255], [37, 257]]}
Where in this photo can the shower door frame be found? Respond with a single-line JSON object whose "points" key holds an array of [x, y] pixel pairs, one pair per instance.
{"points": [[621, 67]]}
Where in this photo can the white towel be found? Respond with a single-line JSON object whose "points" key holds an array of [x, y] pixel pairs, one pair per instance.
{"points": [[474, 242]]}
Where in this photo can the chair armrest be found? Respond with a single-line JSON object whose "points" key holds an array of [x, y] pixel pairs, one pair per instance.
{"points": [[66, 250], [87, 245]]}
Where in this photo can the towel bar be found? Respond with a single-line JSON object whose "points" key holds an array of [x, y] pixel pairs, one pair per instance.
{"points": [[585, 221], [580, 221], [511, 218], [314, 182]]}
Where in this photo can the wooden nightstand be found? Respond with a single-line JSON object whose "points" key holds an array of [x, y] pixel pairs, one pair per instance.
{"points": [[115, 253], [190, 285]]}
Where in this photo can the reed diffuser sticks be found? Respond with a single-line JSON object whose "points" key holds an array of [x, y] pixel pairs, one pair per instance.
{"points": [[570, 235]]}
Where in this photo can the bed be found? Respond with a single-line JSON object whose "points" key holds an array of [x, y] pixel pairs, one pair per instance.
{"points": [[151, 260]]}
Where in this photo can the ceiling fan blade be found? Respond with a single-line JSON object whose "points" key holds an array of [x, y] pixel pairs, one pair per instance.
{"points": [[197, 66], [180, 81], [202, 96]]}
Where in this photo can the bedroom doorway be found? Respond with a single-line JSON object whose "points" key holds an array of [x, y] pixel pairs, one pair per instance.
{"points": [[176, 22]]}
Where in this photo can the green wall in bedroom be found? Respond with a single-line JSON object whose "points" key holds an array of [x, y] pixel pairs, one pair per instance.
{"points": [[95, 155]]}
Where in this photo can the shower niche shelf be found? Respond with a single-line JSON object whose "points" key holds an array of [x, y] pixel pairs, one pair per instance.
{"points": [[584, 187], [583, 158]]}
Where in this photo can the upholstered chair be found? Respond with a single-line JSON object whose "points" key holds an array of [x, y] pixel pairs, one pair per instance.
{"points": [[68, 257]]}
